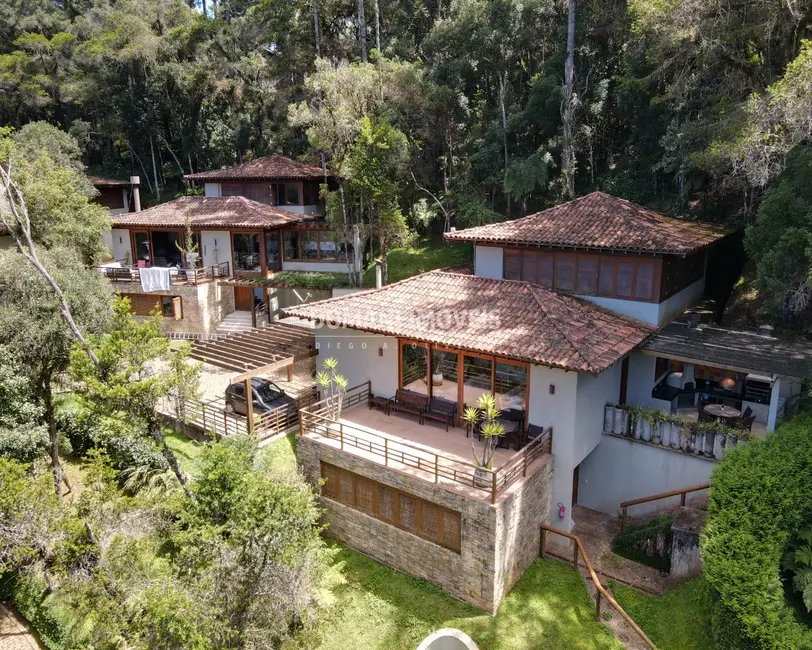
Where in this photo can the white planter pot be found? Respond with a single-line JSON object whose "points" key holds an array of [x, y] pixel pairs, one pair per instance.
{"points": [[666, 437], [657, 432], [638, 428], [646, 430], [710, 442], [699, 443], [731, 441], [617, 422], [609, 419], [688, 440], [626, 428], [437, 379], [719, 447], [676, 434]]}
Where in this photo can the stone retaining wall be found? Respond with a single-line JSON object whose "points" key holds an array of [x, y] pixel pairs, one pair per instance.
{"points": [[498, 541]]}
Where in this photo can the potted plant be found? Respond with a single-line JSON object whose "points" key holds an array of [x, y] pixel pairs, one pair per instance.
{"points": [[636, 416], [657, 429], [677, 426], [648, 422], [689, 436], [436, 368], [485, 413], [618, 422], [334, 387], [609, 418]]}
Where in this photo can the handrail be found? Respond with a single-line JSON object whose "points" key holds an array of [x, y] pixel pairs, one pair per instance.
{"points": [[599, 588], [656, 497]]}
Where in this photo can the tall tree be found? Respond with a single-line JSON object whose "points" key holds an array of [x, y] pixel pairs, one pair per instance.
{"points": [[567, 108]]}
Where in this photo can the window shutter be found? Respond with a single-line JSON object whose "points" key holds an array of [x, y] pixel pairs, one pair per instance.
{"points": [[644, 287], [606, 278], [587, 275], [546, 270], [530, 267], [625, 279], [513, 265], [177, 307], [565, 272]]}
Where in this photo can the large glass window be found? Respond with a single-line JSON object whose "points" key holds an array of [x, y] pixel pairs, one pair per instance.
{"points": [[476, 378], [246, 252], [310, 244], [328, 249], [414, 367], [291, 241], [510, 387], [165, 248], [272, 250], [444, 375], [292, 194], [142, 250]]}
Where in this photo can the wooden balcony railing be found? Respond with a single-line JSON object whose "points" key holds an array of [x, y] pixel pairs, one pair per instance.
{"points": [[317, 418], [600, 590], [178, 276]]}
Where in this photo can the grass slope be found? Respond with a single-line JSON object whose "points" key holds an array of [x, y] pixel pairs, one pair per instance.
{"points": [[423, 256], [680, 620], [382, 609]]}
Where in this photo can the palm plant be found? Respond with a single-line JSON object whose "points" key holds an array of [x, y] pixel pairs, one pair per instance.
{"points": [[798, 561], [485, 414], [334, 386]]}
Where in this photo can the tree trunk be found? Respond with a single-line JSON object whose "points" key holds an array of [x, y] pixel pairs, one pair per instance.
{"points": [[362, 31], [154, 169], [154, 430], [501, 79], [384, 263], [568, 148], [53, 438], [377, 11], [316, 31]]}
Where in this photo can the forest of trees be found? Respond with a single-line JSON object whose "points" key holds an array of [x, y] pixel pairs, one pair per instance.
{"points": [[454, 113]]}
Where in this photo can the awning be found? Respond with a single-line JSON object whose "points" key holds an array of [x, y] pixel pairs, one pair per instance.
{"points": [[259, 351], [733, 350]]}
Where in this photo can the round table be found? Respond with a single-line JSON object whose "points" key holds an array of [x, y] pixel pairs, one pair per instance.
{"points": [[722, 411]]}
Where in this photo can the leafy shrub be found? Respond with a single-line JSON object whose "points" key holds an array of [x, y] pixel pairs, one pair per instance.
{"points": [[637, 542], [23, 443], [30, 594], [78, 428], [797, 563], [761, 495]]}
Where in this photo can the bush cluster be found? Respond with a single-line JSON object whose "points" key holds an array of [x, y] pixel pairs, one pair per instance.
{"points": [[32, 598], [634, 541], [761, 495]]}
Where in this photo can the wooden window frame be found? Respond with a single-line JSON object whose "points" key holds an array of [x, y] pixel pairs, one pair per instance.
{"points": [[176, 303], [318, 259], [263, 267], [351, 501]]}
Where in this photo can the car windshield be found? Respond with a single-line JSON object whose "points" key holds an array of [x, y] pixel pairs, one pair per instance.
{"points": [[268, 392]]}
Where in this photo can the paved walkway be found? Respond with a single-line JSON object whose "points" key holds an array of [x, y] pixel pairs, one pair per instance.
{"points": [[14, 635]]}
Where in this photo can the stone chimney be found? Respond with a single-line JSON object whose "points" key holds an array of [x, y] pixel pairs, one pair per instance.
{"points": [[766, 331], [378, 274], [135, 181]]}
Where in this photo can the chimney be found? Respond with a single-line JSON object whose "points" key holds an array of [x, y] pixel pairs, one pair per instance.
{"points": [[766, 331], [378, 273], [135, 181]]}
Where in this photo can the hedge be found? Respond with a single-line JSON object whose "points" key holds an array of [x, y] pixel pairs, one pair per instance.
{"points": [[761, 495]]}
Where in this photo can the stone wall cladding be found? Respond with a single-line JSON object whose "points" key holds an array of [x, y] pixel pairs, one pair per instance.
{"points": [[480, 574], [204, 305]]}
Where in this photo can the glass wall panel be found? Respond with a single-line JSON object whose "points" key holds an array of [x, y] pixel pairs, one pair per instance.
{"points": [[291, 241], [246, 252], [444, 375], [510, 387], [272, 250], [310, 239], [165, 248], [476, 378], [328, 249], [414, 366], [292, 194], [142, 252]]}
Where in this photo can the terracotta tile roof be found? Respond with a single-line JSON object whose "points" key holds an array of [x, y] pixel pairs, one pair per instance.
{"points": [[98, 181], [265, 168], [507, 318], [208, 212], [598, 221]]}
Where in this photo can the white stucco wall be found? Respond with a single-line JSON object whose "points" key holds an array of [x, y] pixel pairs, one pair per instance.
{"points": [[215, 246], [641, 382], [120, 245], [558, 411], [593, 394], [679, 302], [620, 469], [358, 357], [315, 267], [488, 262], [212, 189]]}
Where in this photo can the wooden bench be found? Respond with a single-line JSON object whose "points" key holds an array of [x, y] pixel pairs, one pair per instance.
{"points": [[441, 410], [409, 401]]}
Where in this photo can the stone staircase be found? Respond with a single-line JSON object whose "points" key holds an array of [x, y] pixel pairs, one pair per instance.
{"points": [[236, 321]]}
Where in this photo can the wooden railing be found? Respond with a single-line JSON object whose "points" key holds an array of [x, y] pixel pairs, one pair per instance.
{"points": [[317, 418], [211, 417], [283, 418], [656, 497], [600, 590], [178, 276]]}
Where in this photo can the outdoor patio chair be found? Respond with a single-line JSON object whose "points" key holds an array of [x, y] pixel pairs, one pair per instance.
{"points": [[441, 410], [747, 412], [744, 424], [534, 431], [703, 415]]}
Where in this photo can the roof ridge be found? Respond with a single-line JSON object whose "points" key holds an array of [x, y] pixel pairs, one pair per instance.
{"points": [[554, 322]]}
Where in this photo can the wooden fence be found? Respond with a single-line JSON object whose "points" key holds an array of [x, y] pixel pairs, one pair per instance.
{"points": [[656, 497], [600, 590], [318, 418]]}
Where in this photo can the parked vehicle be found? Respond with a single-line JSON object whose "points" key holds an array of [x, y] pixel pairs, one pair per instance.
{"points": [[267, 397]]}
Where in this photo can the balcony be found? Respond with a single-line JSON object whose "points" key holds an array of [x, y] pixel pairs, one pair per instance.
{"points": [[426, 451], [117, 272]]}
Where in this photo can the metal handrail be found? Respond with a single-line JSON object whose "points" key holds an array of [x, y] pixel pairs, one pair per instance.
{"points": [[656, 497], [599, 588]]}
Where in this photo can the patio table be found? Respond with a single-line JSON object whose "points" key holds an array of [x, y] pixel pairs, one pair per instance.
{"points": [[722, 411]]}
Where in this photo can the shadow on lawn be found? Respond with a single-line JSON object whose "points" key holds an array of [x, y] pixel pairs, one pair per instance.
{"points": [[549, 607]]}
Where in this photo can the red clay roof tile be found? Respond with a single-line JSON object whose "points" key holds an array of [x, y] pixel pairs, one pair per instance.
{"points": [[598, 221], [264, 168], [506, 318]]}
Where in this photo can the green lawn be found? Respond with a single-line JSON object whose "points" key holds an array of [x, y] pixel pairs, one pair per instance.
{"points": [[381, 609], [424, 256], [680, 620]]}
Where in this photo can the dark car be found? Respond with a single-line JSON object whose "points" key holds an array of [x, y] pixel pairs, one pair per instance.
{"points": [[267, 396]]}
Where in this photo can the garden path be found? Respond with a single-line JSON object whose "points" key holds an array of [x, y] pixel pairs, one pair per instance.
{"points": [[14, 635]]}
